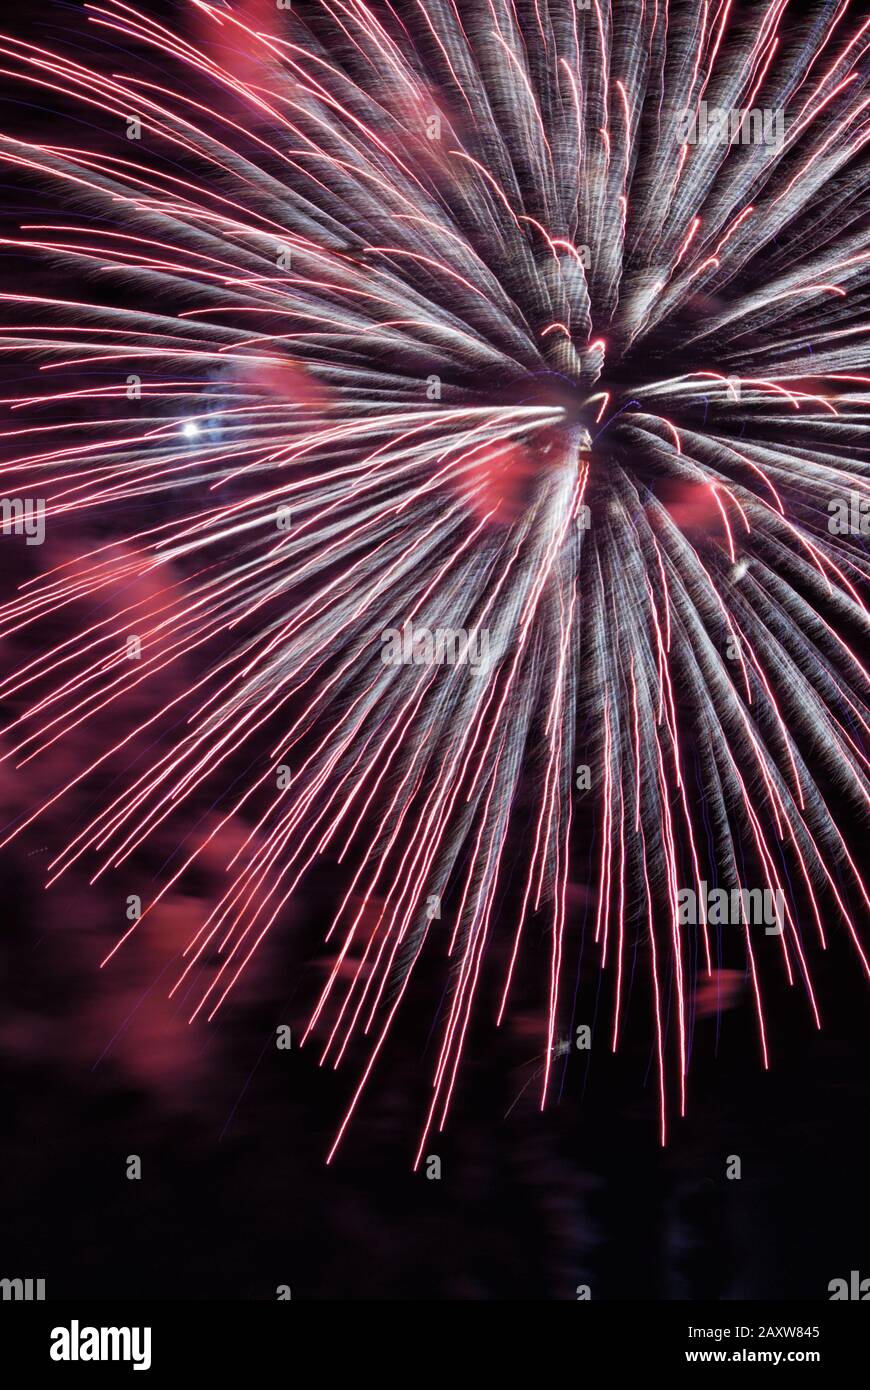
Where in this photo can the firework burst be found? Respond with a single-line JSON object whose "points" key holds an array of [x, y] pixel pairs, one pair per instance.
{"points": [[435, 320]]}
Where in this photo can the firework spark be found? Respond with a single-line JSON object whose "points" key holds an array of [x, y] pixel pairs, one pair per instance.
{"points": [[424, 319]]}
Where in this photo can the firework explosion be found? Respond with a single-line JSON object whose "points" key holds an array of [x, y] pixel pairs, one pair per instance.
{"points": [[423, 319]]}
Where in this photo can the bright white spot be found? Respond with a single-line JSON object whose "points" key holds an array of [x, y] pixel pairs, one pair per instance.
{"points": [[190, 429], [739, 570]]}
